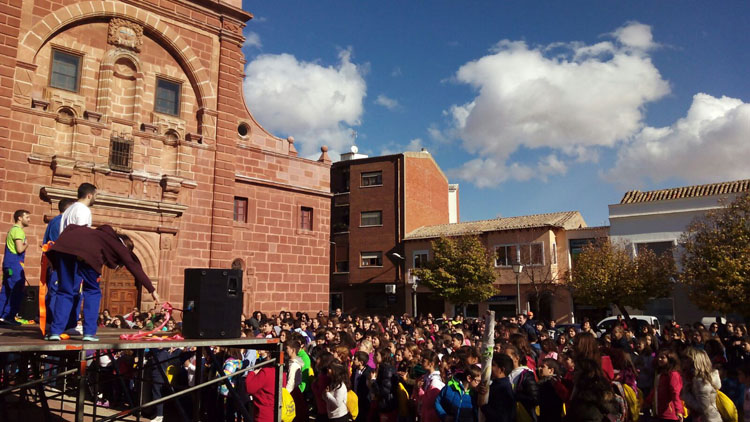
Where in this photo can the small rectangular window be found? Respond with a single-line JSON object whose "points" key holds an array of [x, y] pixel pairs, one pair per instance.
{"points": [[505, 255], [373, 178], [120, 153], [167, 97], [240, 209], [65, 72], [536, 254], [553, 258], [372, 259], [420, 259], [342, 267], [372, 218], [306, 218]]}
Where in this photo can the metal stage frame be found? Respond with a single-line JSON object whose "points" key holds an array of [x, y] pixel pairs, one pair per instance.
{"points": [[32, 370]]}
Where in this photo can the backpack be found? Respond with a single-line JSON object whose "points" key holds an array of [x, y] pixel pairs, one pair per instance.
{"points": [[631, 399], [352, 403], [288, 409], [727, 409]]}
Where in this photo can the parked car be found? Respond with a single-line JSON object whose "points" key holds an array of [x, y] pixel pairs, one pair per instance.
{"points": [[605, 325]]}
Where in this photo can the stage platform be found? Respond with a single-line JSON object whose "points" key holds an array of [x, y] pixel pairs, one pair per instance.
{"points": [[28, 338], [31, 370]]}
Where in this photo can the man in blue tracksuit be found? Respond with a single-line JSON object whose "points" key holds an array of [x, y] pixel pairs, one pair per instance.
{"points": [[14, 276], [51, 235]]}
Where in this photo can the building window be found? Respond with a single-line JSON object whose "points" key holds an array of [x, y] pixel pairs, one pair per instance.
{"points": [[531, 254], [373, 178], [66, 69], [553, 258], [536, 254], [505, 255], [167, 97], [240, 209], [306, 218], [372, 218], [342, 267], [120, 153], [420, 259], [658, 248], [372, 259]]}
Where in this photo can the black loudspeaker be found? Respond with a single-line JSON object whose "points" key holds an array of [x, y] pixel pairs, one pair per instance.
{"points": [[212, 303], [30, 305]]}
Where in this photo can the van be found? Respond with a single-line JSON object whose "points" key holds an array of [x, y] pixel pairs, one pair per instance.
{"points": [[605, 325]]}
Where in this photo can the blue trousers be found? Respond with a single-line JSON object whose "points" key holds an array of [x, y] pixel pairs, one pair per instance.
{"points": [[71, 273], [11, 294], [51, 299]]}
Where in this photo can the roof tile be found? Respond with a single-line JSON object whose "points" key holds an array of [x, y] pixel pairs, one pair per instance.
{"points": [[565, 219], [635, 196]]}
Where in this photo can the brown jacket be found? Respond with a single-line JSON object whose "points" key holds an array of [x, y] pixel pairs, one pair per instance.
{"points": [[98, 247]]}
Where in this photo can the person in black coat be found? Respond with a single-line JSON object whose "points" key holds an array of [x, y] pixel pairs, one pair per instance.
{"points": [[361, 373], [501, 406]]}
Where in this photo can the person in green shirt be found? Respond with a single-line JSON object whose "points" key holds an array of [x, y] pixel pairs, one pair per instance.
{"points": [[14, 277]]}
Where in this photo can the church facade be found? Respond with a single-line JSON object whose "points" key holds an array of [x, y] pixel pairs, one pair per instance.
{"points": [[144, 100]]}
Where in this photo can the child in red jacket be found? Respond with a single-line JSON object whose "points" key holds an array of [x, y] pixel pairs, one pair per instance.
{"points": [[664, 399]]}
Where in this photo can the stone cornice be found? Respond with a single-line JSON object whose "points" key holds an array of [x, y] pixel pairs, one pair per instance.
{"points": [[278, 154], [105, 200], [280, 185]]}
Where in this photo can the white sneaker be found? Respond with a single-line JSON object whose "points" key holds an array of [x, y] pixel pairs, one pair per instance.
{"points": [[158, 419]]}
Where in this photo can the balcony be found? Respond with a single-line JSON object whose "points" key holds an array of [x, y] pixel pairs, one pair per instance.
{"points": [[341, 199]]}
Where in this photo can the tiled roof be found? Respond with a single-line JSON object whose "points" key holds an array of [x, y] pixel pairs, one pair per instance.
{"points": [[566, 220], [723, 188]]}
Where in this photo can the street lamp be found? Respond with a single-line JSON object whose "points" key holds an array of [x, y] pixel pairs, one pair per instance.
{"points": [[517, 268]]}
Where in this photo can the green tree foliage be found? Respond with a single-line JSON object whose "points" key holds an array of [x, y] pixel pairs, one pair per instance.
{"points": [[605, 273], [716, 258], [461, 270]]}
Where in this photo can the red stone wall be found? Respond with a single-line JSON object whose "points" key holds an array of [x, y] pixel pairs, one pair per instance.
{"points": [[425, 192], [177, 203]]}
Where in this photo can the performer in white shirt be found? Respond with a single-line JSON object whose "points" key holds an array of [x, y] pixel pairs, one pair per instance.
{"points": [[80, 212]]}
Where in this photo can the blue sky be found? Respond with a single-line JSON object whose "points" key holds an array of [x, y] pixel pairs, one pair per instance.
{"points": [[530, 106]]}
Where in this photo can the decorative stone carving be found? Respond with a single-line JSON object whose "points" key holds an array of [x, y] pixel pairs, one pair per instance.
{"points": [[145, 127], [39, 104], [170, 187], [232, 26], [207, 123], [92, 116], [62, 170], [125, 34], [166, 123], [194, 137], [59, 99]]}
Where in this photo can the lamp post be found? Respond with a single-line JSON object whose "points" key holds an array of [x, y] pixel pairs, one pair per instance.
{"points": [[414, 298], [517, 268]]}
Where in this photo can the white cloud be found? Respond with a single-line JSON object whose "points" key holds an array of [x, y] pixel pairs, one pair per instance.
{"points": [[389, 103], [581, 98], [415, 144], [709, 144], [396, 72], [635, 35], [252, 40], [314, 103]]}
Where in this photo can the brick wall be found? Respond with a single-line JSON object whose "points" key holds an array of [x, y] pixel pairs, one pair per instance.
{"points": [[178, 201], [425, 192]]}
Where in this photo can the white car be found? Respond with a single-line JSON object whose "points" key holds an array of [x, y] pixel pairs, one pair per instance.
{"points": [[605, 325]]}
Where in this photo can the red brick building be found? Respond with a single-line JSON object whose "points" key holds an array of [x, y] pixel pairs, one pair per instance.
{"points": [[377, 200], [144, 99]]}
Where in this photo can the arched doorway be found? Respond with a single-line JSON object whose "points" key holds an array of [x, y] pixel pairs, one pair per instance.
{"points": [[119, 293]]}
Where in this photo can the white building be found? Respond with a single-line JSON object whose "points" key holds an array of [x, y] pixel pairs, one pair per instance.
{"points": [[657, 219]]}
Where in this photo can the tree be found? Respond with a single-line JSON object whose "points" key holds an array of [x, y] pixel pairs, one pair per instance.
{"points": [[461, 270], [605, 273], [716, 258], [542, 279]]}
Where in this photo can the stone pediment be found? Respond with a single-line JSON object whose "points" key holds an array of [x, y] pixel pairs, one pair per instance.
{"points": [[104, 200]]}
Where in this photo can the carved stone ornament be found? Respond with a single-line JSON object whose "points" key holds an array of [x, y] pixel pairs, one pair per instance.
{"points": [[126, 34], [232, 27]]}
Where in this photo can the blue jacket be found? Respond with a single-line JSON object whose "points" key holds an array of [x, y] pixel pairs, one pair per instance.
{"points": [[53, 229], [456, 401]]}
